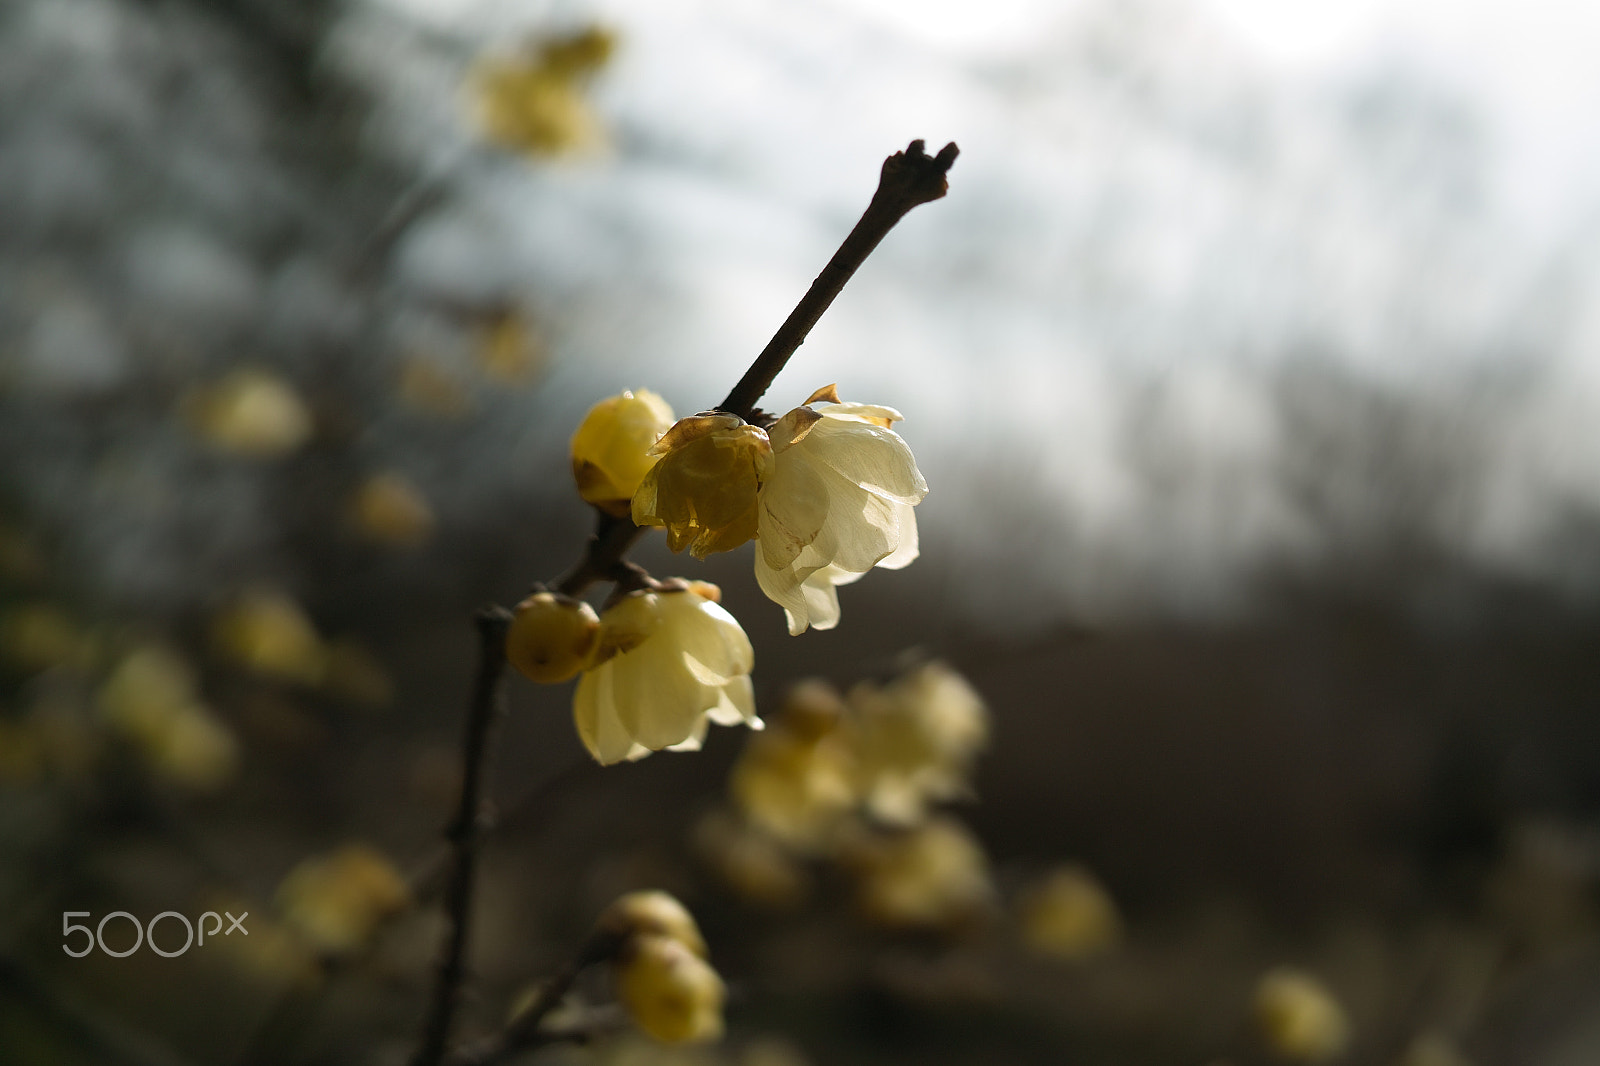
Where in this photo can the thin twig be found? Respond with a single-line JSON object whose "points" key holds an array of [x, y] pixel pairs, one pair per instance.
{"points": [[466, 830], [527, 1030], [908, 178]]}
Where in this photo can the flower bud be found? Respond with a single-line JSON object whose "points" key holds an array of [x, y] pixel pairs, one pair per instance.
{"points": [[1298, 1017], [268, 633], [336, 902], [706, 486], [1070, 916], [250, 412], [932, 877], [611, 449], [670, 992], [551, 637], [652, 913]]}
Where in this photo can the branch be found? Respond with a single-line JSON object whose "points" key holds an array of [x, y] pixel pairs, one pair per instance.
{"points": [[908, 178], [527, 1031], [466, 829]]}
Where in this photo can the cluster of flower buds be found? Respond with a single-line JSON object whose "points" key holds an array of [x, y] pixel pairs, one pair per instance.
{"points": [[660, 970], [826, 492]]}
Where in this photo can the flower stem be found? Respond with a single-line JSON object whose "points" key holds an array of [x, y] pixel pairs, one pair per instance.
{"points": [[466, 830], [908, 178]]}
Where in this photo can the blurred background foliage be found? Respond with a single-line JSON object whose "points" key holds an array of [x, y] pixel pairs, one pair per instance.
{"points": [[1260, 420]]}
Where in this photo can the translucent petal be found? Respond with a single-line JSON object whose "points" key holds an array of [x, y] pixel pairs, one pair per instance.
{"points": [[877, 459], [862, 527], [907, 550], [795, 503]]}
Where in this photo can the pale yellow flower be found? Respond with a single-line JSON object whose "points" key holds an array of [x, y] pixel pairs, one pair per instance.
{"points": [[252, 412], [611, 451], [838, 503], [705, 487], [932, 877], [388, 508], [1298, 1017], [669, 991], [267, 632], [1070, 915], [668, 663], [915, 739], [534, 101], [151, 697], [797, 780], [336, 902]]}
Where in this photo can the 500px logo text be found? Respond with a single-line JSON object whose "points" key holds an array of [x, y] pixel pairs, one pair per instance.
{"points": [[146, 933]]}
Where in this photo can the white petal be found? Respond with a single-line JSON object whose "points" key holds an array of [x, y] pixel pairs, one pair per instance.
{"points": [[862, 527], [876, 459], [907, 551], [594, 710], [794, 505]]}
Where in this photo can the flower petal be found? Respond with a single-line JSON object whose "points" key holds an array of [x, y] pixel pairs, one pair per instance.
{"points": [[877, 459]]}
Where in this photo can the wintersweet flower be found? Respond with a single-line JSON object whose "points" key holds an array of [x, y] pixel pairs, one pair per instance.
{"points": [[837, 503], [611, 449], [1298, 1017], [915, 739], [797, 780], [1069, 915], [669, 991], [669, 660], [932, 877], [706, 486]]}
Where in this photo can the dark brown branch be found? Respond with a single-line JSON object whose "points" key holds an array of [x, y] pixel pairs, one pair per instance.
{"points": [[602, 560], [466, 829], [908, 178], [527, 1030]]}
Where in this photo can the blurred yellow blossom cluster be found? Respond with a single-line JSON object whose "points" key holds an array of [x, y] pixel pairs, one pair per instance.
{"points": [[533, 101]]}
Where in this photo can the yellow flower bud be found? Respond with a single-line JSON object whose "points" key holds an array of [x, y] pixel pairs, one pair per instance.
{"points": [[251, 412], [652, 913], [706, 486], [1070, 916], [267, 632], [1298, 1017], [670, 992], [611, 449], [336, 902], [551, 637], [389, 509]]}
